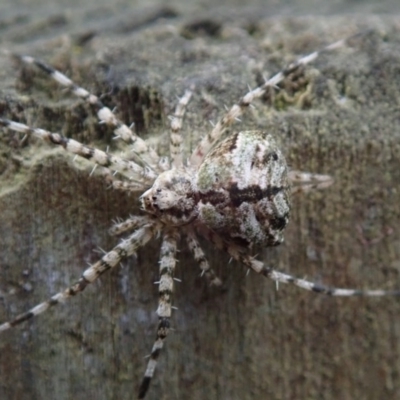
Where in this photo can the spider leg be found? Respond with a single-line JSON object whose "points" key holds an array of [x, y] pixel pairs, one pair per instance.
{"points": [[277, 276], [238, 109], [110, 260], [125, 167], [130, 186], [240, 255], [104, 113], [176, 126], [306, 181], [165, 290], [134, 222], [200, 258]]}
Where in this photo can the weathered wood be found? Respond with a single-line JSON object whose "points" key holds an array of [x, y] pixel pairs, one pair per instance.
{"points": [[247, 341]]}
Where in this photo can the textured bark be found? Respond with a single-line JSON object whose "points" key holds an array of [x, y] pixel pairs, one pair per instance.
{"points": [[247, 341]]}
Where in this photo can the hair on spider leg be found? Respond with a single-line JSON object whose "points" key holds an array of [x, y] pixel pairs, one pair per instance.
{"points": [[99, 250], [93, 169]]}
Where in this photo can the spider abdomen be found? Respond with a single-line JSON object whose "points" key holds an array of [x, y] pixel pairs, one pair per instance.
{"points": [[243, 190]]}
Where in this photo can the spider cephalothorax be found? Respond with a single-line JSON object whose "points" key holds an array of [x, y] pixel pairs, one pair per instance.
{"points": [[234, 193], [172, 197]]}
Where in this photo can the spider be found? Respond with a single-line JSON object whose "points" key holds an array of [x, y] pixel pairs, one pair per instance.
{"points": [[235, 192]]}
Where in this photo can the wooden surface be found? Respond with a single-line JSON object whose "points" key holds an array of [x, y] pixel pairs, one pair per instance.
{"points": [[247, 341]]}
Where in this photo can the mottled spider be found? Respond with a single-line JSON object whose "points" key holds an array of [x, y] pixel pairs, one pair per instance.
{"points": [[234, 192]]}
